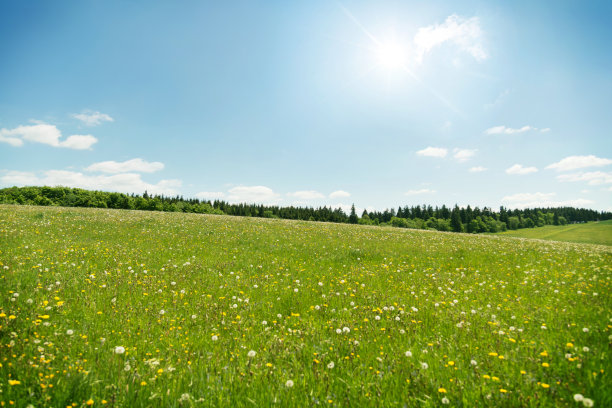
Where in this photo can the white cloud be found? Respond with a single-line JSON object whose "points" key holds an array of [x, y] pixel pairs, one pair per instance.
{"points": [[79, 142], [503, 130], [579, 162], [531, 200], [433, 152], [134, 165], [45, 134], [253, 194], [592, 178], [520, 170], [421, 191], [339, 194], [463, 155], [545, 130], [464, 33], [210, 195], [477, 169], [124, 183], [306, 195], [91, 118]]}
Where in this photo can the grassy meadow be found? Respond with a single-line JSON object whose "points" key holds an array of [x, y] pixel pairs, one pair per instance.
{"points": [[590, 233], [125, 308]]}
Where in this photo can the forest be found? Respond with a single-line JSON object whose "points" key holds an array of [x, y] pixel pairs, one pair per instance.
{"points": [[456, 219]]}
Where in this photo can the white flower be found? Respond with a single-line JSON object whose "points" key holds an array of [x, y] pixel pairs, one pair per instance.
{"points": [[586, 349], [424, 366], [317, 307], [587, 402], [16, 295], [356, 342], [214, 337], [69, 332], [173, 283], [408, 353], [346, 330], [402, 331], [473, 362], [119, 350], [586, 329], [296, 290], [578, 397], [338, 331], [255, 286], [331, 365], [289, 384], [279, 315], [252, 354], [377, 317], [320, 283], [445, 401], [194, 316], [162, 312], [29, 301]]}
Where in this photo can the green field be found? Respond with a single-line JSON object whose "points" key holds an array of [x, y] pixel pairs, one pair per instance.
{"points": [[590, 233], [126, 308]]}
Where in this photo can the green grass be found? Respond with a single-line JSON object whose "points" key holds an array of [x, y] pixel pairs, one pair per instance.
{"points": [[488, 320], [590, 233]]}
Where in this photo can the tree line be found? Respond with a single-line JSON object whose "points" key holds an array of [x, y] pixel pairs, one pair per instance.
{"points": [[457, 219]]}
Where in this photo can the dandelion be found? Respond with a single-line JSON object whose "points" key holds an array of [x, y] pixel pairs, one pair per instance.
{"points": [[90, 402], [252, 354], [194, 316], [69, 332], [162, 312], [346, 330], [585, 329], [265, 323], [119, 350], [424, 366], [331, 365], [578, 397], [445, 401], [474, 362], [587, 402], [408, 353], [289, 384], [442, 390], [14, 382], [214, 338], [338, 331], [586, 349]]}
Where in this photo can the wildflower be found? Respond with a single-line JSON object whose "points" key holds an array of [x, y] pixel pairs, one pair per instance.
{"points": [[442, 390], [289, 384], [445, 401], [14, 382], [194, 316], [578, 397], [338, 331], [346, 330], [69, 332], [409, 353], [90, 402], [214, 338], [474, 362], [119, 350], [544, 385], [570, 345], [252, 354], [162, 312], [264, 323], [587, 402], [585, 330], [424, 366], [331, 365]]}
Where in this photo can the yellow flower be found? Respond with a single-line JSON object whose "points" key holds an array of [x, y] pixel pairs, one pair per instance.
{"points": [[161, 370], [544, 385], [523, 372], [90, 402], [502, 390], [14, 382], [143, 383], [442, 390], [569, 345], [486, 377], [493, 354], [545, 365], [11, 317], [544, 354], [451, 363]]}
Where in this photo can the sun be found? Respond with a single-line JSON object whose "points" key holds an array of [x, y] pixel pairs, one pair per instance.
{"points": [[391, 55]]}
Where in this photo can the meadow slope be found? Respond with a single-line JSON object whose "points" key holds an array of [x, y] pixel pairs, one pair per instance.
{"points": [[590, 233], [126, 308]]}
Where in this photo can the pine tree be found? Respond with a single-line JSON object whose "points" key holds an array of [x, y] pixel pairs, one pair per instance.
{"points": [[353, 217]]}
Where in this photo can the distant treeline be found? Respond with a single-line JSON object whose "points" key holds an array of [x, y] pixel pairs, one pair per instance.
{"points": [[465, 219]]}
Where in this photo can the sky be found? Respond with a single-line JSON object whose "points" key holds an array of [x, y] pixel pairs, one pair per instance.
{"points": [[380, 104]]}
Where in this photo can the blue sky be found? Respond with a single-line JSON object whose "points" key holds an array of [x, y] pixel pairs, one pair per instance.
{"points": [[379, 104]]}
